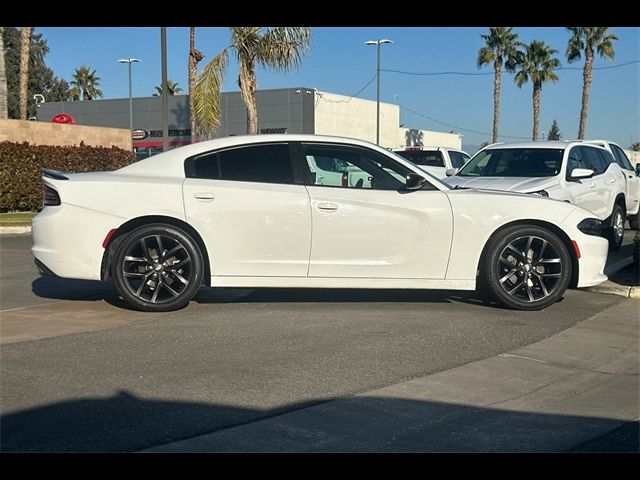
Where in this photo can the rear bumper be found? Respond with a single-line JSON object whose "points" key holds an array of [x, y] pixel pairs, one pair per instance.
{"points": [[67, 241]]}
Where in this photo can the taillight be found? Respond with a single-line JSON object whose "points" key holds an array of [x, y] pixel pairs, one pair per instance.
{"points": [[51, 197]]}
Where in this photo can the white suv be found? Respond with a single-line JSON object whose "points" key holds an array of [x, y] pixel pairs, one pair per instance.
{"points": [[583, 174], [434, 160], [631, 179]]}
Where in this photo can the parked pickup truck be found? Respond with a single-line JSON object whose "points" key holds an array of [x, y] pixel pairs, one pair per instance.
{"points": [[434, 160]]}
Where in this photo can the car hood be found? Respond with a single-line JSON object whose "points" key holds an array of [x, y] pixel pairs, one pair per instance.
{"points": [[512, 184]]}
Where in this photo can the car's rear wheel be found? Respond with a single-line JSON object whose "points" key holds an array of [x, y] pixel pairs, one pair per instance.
{"points": [[615, 233], [157, 268], [525, 268]]}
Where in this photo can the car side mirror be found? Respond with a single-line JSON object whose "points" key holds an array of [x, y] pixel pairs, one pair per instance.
{"points": [[578, 173], [638, 169], [451, 172], [414, 181]]}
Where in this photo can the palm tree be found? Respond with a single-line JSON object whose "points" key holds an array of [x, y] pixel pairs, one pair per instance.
{"points": [[591, 40], [501, 49], [3, 79], [278, 48], [172, 89], [25, 45], [537, 64], [195, 56], [85, 82]]}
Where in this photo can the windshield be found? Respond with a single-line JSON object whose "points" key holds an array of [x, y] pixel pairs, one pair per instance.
{"points": [[514, 162]]}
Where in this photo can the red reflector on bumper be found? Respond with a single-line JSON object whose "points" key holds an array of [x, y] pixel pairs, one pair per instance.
{"points": [[107, 239], [577, 250]]}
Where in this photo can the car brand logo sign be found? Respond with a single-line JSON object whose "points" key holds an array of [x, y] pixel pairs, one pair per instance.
{"points": [[139, 134]]}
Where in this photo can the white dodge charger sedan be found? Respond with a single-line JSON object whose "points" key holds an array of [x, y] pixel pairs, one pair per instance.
{"points": [[249, 212]]}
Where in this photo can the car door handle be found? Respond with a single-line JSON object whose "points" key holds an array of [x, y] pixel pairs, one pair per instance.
{"points": [[612, 181], [204, 196], [327, 207], [593, 185]]}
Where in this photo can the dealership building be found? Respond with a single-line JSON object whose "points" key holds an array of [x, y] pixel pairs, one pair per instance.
{"points": [[285, 110]]}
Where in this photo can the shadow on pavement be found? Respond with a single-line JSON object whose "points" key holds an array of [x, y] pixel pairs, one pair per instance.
{"points": [[67, 289], [126, 423]]}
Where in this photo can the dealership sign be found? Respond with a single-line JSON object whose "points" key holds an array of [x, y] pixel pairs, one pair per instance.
{"points": [[63, 118], [139, 134]]}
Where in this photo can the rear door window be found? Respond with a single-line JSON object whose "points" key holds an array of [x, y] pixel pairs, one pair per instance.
{"points": [[621, 157], [269, 163]]}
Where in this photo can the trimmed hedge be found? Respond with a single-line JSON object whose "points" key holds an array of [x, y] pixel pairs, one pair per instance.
{"points": [[20, 163]]}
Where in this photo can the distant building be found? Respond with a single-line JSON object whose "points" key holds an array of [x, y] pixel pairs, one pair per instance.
{"points": [[285, 110]]}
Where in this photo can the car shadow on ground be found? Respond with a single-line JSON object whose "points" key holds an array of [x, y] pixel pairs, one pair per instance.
{"points": [[88, 290], [126, 423]]}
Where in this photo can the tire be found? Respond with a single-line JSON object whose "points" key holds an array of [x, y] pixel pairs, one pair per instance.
{"points": [[525, 252], [615, 230], [151, 281]]}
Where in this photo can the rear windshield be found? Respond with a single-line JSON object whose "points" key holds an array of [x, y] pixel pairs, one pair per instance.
{"points": [[420, 157], [514, 162]]}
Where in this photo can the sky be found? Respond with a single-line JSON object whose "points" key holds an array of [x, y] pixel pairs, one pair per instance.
{"points": [[338, 61]]}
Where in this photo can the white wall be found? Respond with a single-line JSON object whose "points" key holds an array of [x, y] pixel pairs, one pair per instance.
{"points": [[354, 117], [634, 157], [408, 137]]}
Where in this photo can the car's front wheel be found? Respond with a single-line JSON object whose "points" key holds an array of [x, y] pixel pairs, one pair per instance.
{"points": [[525, 268], [157, 268]]}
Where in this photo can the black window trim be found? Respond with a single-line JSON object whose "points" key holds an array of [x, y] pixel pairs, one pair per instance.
{"points": [[190, 171]]}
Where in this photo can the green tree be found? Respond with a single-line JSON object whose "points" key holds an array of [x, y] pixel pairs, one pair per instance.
{"points": [[635, 146], [277, 48], [25, 46], [85, 83], [537, 64], [554, 131], [588, 40], [501, 49], [3, 78], [41, 78], [172, 88], [59, 91]]}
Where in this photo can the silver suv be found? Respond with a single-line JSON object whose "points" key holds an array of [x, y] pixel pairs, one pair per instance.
{"points": [[583, 174]]}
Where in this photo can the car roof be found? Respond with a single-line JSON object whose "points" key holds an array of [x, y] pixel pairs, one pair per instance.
{"points": [[426, 149], [171, 162], [562, 144]]}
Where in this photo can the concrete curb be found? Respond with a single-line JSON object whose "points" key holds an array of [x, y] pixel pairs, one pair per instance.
{"points": [[610, 288], [15, 230]]}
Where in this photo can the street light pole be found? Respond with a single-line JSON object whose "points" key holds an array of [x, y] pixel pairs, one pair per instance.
{"points": [[378, 43], [130, 61]]}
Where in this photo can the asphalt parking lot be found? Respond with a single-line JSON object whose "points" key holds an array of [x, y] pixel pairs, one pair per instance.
{"points": [[81, 373]]}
